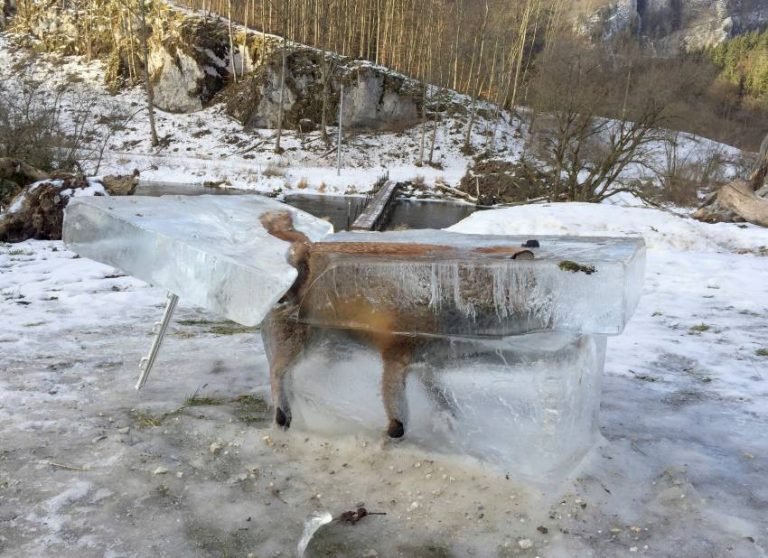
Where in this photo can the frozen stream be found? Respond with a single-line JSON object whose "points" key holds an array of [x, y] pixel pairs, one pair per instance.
{"points": [[191, 466]]}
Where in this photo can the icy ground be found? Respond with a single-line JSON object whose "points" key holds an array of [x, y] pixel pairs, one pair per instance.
{"points": [[191, 466]]}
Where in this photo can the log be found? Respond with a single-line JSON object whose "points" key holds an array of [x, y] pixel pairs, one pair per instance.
{"points": [[20, 172], [455, 192], [739, 197]]}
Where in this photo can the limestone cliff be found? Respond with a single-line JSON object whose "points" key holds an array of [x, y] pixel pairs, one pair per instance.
{"points": [[671, 26]]}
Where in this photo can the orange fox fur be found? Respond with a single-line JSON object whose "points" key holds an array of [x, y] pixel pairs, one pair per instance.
{"points": [[284, 338]]}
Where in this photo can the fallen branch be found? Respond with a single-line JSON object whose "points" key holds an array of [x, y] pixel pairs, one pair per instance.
{"points": [[455, 192], [20, 172], [354, 516], [67, 467]]}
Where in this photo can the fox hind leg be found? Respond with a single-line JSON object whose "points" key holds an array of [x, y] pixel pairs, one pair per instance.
{"points": [[396, 358]]}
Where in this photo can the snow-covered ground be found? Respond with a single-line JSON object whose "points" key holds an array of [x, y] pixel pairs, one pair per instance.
{"points": [[190, 466]]}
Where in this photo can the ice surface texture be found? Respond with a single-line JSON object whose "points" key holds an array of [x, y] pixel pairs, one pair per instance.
{"points": [[209, 250], [576, 284], [526, 403]]}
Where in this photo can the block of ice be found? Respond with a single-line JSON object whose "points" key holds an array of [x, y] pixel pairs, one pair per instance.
{"points": [[209, 250], [526, 403], [467, 285]]}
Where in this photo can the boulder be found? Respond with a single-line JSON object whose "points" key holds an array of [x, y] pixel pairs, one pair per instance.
{"points": [[176, 80], [374, 98], [189, 65], [121, 185]]}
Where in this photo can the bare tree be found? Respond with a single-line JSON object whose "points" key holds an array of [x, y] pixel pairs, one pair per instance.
{"points": [[583, 152], [231, 42], [283, 52], [478, 83], [141, 10]]}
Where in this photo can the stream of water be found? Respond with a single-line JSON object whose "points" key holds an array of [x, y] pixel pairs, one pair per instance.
{"points": [[341, 211]]}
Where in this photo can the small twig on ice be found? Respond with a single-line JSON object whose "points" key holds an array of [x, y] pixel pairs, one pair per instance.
{"points": [[67, 467], [355, 516], [276, 494]]}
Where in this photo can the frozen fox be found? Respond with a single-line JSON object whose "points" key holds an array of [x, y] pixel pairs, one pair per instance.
{"points": [[284, 337]]}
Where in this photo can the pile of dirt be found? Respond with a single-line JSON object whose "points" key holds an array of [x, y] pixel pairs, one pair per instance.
{"points": [[37, 211], [495, 181]]}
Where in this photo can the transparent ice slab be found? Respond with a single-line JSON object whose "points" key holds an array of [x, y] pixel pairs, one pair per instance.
{"points": [[209, 250], [577, 284], [527, 404]]}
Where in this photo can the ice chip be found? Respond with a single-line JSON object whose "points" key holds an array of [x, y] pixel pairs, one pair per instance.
{"points": [[211, 251], [312, 526]]}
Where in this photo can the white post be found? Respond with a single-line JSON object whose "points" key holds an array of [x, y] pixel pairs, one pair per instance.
{"points": [[338, 141], [149, 360]]}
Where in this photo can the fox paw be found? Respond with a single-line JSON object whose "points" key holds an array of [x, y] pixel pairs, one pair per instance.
{"points": [[282, 418], [396, 429]]}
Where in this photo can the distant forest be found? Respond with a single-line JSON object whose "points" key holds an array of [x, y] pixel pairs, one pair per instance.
{"points": [[472, 46], [493, 49]]}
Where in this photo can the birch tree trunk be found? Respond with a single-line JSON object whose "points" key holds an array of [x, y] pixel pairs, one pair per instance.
{"points": [[144, 32], [279, 149]]}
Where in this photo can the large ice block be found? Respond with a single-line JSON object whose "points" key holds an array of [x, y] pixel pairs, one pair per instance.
{"points": [[467, 285], [209, 250], [527, 404]]}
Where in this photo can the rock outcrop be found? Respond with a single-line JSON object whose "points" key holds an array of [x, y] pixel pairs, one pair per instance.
{"points": [[671, 26], [190, 61], [374, 98]]}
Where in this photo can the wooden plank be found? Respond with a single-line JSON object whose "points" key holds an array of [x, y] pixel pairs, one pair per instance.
{"points": [[375, 213]]}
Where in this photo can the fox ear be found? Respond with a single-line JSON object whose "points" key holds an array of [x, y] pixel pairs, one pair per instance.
{"points": [[277, 221]]}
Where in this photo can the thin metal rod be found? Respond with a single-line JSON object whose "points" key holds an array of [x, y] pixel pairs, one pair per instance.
{"points": [[338, 141], [148, 361]]}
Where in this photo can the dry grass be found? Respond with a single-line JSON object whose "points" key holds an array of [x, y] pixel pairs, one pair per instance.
{"points": [[272, 170]]}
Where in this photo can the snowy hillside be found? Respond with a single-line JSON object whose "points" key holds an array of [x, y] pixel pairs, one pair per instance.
{"points": [[208, 147]]}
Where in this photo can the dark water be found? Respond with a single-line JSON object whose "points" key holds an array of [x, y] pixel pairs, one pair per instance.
{"points": [[341, 211], [170, 189]]}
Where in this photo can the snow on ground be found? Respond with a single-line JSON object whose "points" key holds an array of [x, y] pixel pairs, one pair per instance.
{"points": [[210, 147], [190, 466]]}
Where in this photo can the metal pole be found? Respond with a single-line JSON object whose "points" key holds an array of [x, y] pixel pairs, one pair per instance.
{"points": [[148, 361], [338, 141]]}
